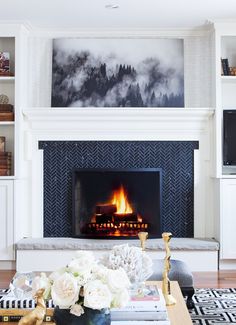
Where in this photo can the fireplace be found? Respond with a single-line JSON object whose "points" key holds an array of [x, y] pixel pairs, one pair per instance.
{"points": [[175, 158], [116, 203]]}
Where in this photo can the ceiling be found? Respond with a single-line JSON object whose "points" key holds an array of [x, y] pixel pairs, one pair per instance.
{"points": [[130, 14]]}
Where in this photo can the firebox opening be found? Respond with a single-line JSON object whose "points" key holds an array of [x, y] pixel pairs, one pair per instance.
{"points": [[116, 203]]}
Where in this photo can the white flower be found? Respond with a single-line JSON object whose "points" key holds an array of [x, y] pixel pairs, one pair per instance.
{"points": [[77, 310], [100, 272], [65, 291], [117, 280], [56, 274], [120, 299], [40, 282], [97, 295], [82, 263]]}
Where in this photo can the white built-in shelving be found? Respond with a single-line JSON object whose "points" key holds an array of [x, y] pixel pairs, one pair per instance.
{"points": [[7, 87], [225, 176], [10, 36]]}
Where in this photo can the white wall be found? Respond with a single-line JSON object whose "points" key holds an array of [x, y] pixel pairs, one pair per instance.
{"points": [[197, 64]]}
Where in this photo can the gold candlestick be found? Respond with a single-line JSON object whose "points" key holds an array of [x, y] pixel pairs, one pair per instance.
{"points": [[143, 237], [170, 300]]}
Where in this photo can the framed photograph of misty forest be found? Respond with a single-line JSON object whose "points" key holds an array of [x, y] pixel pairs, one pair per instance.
{"points": [[122, 72]]}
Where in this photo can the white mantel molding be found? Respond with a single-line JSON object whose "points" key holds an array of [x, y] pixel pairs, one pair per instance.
{"points": [[171, 119]]}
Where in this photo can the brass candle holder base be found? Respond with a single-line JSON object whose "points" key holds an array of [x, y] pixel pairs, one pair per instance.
{"points": [[169, 299], [143, 237]]}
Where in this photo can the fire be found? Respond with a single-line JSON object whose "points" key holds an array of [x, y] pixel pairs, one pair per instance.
{"points": [[120, 200]]}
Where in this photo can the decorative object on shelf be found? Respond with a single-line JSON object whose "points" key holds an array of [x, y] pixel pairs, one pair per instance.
{"points": [[136, 263], [2, 144], [170, 300], [4, 64], [142, 235], [4, 99], [36, 316], [84, 289], [6, 109], [118, 72]]}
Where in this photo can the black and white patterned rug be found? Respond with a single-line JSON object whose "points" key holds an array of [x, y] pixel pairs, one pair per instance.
{"points": [[214, 306]]}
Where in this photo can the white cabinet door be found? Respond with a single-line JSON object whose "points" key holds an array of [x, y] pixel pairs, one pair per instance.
{"points": [[228, 218], [6, 220]]}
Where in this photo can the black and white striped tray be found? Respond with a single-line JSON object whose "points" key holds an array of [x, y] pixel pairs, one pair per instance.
{"points": [[9, 302]]}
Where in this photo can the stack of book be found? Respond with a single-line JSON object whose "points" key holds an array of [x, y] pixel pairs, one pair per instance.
{"points": [[6, 112], [145, 308], [5, 159]]}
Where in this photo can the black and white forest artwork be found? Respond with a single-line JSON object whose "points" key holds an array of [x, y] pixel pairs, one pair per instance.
{"points": [[118, 73]]}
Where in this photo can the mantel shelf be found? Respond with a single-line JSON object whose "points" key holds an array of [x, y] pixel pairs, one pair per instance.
{"points": [[114, 113], [233, 78], [118, 121]]}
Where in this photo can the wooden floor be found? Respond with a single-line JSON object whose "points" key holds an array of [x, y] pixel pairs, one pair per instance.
{"points": [[221, 279]]}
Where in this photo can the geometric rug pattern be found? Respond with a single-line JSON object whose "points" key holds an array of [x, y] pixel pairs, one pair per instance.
{"points": [[214, 306], [176, 158]]}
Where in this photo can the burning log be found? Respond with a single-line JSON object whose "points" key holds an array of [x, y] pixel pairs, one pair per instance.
{"points": [[120, 217], [106, 209], [104, 218]]}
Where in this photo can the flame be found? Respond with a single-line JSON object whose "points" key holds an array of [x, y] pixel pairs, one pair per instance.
{"points": [[120, 200]]}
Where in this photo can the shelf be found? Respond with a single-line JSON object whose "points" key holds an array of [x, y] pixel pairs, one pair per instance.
{"points": [[233, 78], [233, 176], [4, 178], [6, 79], [7, 123]]}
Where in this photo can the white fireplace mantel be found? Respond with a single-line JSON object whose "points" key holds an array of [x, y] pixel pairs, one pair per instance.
{"points": [[117, 124], [147, 118]]}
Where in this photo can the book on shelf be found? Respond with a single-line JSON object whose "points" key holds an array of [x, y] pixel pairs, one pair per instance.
{"points": [[6, 116], [5, 154], [225, 67], [7, 108], [5, 163], [4, 63], [5, 172]]}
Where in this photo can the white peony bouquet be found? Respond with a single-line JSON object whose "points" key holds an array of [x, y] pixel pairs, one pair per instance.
{"points": [[85, 283], [136, 263]]}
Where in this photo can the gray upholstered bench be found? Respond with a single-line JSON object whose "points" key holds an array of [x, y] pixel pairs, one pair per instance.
{"points": [[179, 272]]}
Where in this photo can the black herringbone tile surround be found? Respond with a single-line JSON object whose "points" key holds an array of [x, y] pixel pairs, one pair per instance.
{"points": [[174, 157]]}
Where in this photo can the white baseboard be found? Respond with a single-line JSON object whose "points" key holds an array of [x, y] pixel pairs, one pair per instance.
{"points": [[50, 260], [227, 265]]}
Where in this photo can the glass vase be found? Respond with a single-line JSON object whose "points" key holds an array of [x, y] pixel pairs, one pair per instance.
{"points": [[90, 317]]}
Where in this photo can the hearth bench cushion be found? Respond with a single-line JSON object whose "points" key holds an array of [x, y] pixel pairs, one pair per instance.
{"points": [[179, 272], [47, 243]]}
